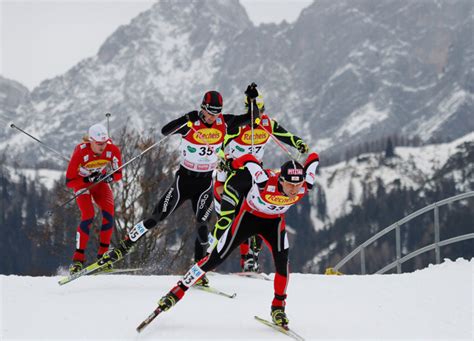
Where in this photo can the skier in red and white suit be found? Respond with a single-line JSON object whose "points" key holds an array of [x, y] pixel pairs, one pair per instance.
{"points": [[238, 142], [268, 196], [89, 163]]}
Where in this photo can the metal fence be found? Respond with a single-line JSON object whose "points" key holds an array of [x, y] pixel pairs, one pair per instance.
{"points": [[396, 226]]}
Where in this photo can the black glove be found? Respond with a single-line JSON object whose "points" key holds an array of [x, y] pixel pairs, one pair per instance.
{"points": [[192, 116], [225, 165], [302, 147], [92, 177], [105, 178], [98, 177], [251, 91]]}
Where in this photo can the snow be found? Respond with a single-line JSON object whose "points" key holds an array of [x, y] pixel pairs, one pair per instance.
{"points": [[446, 109], [417, 164], [362, 118], [434, 303], [46, 177]]}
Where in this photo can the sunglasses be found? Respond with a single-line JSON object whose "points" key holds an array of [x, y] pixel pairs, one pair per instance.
{"points": [[206, 109]]}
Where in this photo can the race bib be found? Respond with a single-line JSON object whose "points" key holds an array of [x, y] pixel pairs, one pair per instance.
{"points": [[137, 231], [192, 276]]}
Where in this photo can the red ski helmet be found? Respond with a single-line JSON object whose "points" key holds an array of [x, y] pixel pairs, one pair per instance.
{"points": [[212, 102]]}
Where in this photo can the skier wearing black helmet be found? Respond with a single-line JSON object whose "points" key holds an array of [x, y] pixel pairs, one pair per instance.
{"points": [[237, 142], [268, 195], [202, 136]]}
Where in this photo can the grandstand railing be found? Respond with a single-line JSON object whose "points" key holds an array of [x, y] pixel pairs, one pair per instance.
{"points": [[396, 226]]}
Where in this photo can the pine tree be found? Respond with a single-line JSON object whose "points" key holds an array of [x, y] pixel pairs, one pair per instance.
{"points": [[389, 149]]}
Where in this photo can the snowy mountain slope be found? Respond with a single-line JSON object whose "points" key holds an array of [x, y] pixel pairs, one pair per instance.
{"points": [[12, 95], [345, 72], [47, 177], [156, 67], [413, 167], [319, 307]]}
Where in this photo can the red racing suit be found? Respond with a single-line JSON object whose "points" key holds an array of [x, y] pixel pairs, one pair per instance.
{"points": [[83, 163], [262, 212]]}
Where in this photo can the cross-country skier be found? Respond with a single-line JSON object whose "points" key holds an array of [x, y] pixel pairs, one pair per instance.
{"points": [[201, 141], [89, 163], [268, 196], [238, 142]]}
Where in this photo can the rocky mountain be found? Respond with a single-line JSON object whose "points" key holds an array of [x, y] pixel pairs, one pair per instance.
{"points": [[345, 72], [12, 95]]}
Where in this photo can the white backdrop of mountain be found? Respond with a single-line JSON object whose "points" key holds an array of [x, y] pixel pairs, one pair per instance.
{"points": [[345, 72]]}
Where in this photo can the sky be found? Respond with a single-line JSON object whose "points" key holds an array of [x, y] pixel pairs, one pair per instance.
{"points": [[435, 303], [43, 39]]}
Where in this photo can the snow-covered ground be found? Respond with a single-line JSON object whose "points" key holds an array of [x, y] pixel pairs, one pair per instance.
{"points": [[434, 303]]}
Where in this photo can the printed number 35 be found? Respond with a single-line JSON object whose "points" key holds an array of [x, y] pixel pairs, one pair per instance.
{"points": [[205, 151]]}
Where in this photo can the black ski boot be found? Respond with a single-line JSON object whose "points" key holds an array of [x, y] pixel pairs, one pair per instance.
{"points": [[117, 253]]}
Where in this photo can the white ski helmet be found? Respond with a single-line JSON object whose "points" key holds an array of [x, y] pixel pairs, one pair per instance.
{"points": [[98, 133]]}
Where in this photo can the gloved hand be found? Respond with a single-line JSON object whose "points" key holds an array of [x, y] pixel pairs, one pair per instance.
{"points": [[252, 91], [105, 178], [91, 177], [192, 116], [302, 147], [225, 165], [98, 177]]}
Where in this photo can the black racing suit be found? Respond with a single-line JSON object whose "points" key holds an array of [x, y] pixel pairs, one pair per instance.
{"points": [[188, 184]]}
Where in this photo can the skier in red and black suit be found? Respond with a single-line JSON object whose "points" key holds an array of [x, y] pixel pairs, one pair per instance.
{"points": [[201, 140], [238, 142], [268, 196], [89, 163]]}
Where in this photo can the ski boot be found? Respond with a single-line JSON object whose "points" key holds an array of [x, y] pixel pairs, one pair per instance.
{"points": [[106, 268], [168, 301], [203, 282], [279, 316], [75, 267], [117, 253], [251, 262]]}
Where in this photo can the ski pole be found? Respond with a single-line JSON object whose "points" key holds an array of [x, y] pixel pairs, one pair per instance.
{"points": [[281, 145], [81, 191], [107, 115], [44, 145], [251, 126]]}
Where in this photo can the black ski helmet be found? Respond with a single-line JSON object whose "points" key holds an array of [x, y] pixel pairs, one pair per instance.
{"points": [[292, 171], [212, 102]]}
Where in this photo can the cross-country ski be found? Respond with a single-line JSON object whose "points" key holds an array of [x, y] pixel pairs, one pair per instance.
{"points": [[256, 171]]}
